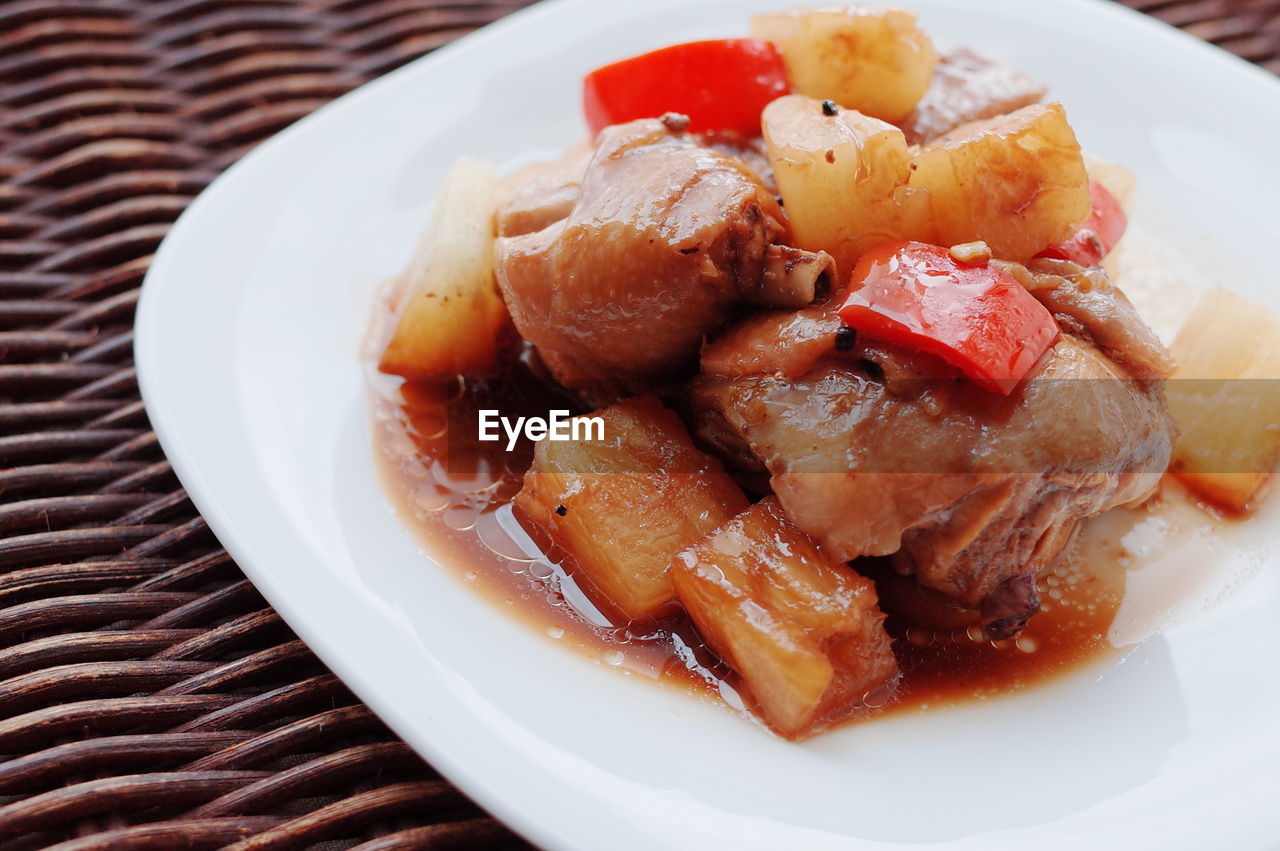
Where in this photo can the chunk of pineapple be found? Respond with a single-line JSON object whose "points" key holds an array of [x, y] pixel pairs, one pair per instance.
{"points": [[452, 317], [805, 635], [843, 179], [1225, 398], [1016, 182], [622, 507], [871, 59]]}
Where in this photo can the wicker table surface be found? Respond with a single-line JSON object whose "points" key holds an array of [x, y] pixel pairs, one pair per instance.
{"points": [[149, 698]]}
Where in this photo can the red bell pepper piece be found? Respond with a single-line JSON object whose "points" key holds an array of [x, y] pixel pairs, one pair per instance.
{"points": [[722, 84], [1099, 233], [973, 315]]}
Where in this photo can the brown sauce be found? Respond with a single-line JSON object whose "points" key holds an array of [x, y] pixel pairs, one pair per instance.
{"points": [[456, 495], [946, 667]]}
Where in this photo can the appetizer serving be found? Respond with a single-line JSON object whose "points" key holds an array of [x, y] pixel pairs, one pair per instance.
{"points": [[833, 304]]}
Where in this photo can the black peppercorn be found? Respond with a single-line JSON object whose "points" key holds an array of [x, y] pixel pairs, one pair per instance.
{"points": [[829, 108], [845, 337], [562, 510]]}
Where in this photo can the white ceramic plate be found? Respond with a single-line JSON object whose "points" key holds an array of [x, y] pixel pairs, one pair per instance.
{"points": [[248, 339]]}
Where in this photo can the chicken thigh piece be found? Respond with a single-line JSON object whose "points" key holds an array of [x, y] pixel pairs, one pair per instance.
{"points": [[966, 87], [663, 238], [877, 451]]}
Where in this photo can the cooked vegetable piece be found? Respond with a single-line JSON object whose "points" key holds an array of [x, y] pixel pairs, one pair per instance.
{"points": [[871, 59], [1099, 234], [843, 179], [621, 507], [1225, 398], [452, 318], [804, 634], [1016, 182], [721, 84], [975, 316]]}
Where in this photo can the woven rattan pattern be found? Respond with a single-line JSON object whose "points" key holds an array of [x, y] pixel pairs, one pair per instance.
{"points": [[149, 698]]}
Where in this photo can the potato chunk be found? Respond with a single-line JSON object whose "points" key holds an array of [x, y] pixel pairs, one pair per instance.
{"points": [[1017, 182], [871, 59], [622, 507], [452, 317], [805, 635], [843, 179], [1225, 398]]}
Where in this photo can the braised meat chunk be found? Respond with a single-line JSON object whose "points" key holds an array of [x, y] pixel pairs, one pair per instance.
{"points": [[542, 194], [967, 86], [877, 451], [1087, 301], [747, 149], [663, 237]]}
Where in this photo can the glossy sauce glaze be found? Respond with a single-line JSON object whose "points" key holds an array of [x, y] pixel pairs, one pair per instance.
{"points": [[456, 496]]}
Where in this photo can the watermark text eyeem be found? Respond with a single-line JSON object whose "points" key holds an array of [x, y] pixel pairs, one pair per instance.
{"points": [[557, 425]]}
